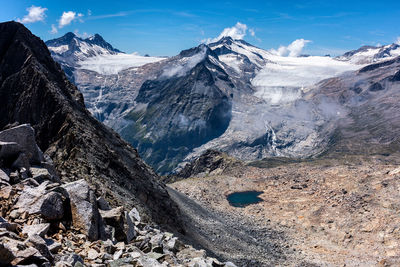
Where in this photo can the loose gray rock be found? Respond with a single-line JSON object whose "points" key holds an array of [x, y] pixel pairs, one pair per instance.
{"points": [[4, 177], [9, 150], [134, 214], [129, 228], [7, 225], [174, 245], [6, 255], [36, 229], [40, 174], [71, 259], [24, 135], [40, 244], [85, 215], [103, 204], [36, 200], [115, 218], [53, 246], [22, 161]]}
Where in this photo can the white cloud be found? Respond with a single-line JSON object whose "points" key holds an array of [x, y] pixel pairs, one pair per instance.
{"points": [[68, 17], [292, 50], [398, 40], [238, 31], [53, 29], [35, 13]]}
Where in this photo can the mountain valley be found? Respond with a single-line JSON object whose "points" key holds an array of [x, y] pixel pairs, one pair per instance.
{"points": [[116, 159]]}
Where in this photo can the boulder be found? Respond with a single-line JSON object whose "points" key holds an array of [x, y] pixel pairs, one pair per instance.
{"points": [[70, 259], [129, 228], [134, 215], [85, 214], [40, 244], [21, 162], [13, 227], [9, 150], [115, 218], [103, 204], [52, 245], [147, 262], [4, 177], [37, 200], [174, 245], [52, 206], [40, 174], [6, 255], [24, 135], [36, 229]]}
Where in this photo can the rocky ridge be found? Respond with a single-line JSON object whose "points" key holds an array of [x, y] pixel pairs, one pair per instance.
{"points": [[34, 90], [46, 222]]}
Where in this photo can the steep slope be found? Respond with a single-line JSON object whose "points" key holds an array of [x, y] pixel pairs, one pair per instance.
{"points": [[186, 106], [371, 97], [33, 89]]}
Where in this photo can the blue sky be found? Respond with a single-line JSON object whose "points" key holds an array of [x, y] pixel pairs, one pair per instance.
{"points": [[167, 27]]}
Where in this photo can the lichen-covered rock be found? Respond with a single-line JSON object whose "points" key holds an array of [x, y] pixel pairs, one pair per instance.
{"points": [[85, 214]]}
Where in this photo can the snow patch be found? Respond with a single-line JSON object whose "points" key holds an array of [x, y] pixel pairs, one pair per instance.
{"points": [[284, 79], [58, 49], [112, 64]]}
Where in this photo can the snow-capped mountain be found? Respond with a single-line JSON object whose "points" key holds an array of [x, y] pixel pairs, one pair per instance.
{"points": [[371, 54], [228, 95], [81, 49], [92, 53]]}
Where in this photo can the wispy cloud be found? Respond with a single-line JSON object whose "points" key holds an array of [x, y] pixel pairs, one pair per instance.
{"points": [[53, 29], [185, 14], [68, 17], [292, 50], [398, 40], [113, 15], [35, 13]]}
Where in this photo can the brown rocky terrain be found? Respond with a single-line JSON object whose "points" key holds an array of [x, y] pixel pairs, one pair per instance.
{"points": [[342, 212]]}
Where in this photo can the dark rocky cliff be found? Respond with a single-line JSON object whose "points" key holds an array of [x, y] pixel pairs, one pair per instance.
{"points": [[34, 89]]}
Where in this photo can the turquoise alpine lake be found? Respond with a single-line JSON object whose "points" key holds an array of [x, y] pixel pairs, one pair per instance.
{"points": [[245, 198]]}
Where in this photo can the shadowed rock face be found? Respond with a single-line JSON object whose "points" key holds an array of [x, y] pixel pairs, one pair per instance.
{"points": [[33, 89], [181, 112]]}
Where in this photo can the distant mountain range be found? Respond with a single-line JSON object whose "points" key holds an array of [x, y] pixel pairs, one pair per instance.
{"points": [[228, 95]]}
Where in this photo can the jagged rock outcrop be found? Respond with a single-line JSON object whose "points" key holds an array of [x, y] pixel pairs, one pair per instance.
{"points": [[211, 162], [33, 89]]}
